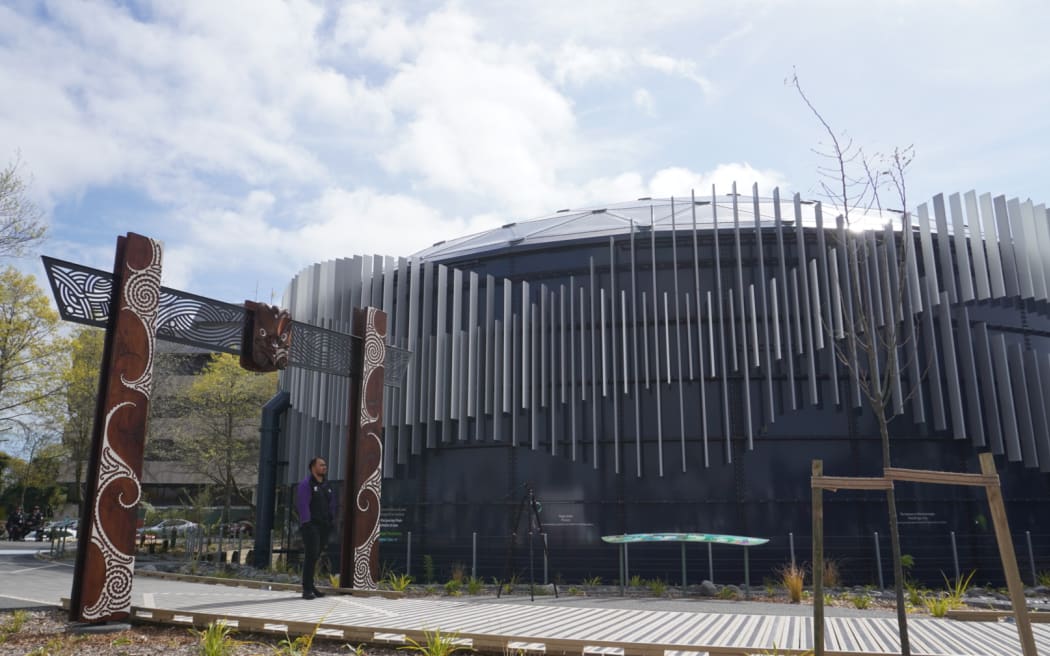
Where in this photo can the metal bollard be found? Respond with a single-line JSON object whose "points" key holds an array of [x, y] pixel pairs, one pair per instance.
{"points": [[791, 546], [546, 565], [878, 561], [474, 555], [408, 554], [710, 563], [1031, 557], [955, 556]]}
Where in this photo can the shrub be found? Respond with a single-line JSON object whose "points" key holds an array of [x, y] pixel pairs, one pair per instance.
{"points": [[458, 572], [861, 601], [594, 580], [657, 587], [216, 639], [937, 606], [793, 577], [398, 582], [832, 579], [957, 589], [474, 585], [635, 581], [452, 587]]}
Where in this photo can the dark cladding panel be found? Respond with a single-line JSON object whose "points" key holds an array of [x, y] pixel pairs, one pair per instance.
{"points": [[986, 370]]}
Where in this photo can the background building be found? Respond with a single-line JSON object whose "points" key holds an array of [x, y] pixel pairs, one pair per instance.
{"points": [[670, 365]]}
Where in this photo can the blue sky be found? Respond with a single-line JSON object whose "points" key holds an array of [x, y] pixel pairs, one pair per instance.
{"points": [[255, 138]]}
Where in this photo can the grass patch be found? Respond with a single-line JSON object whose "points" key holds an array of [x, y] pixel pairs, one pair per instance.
{"points": [[435, 644]]}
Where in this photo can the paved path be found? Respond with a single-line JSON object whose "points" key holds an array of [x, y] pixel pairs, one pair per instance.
{"points": [[568, 623]]}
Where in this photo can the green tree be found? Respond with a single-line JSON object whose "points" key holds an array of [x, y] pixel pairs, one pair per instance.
{"points": [[220, 437], [21, 220], [30, 352], [81, 380]]}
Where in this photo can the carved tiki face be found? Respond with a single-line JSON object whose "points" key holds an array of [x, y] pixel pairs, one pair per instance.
{"points": [[267, 337]]}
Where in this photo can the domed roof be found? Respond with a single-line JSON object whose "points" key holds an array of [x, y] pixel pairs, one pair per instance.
{"points": [[644, 214]]}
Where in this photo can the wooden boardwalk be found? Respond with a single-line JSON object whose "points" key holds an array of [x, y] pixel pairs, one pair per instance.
{"points": [[571, 629]]}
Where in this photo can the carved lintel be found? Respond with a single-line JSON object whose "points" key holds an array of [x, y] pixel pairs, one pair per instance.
{"points": [[267, 338]]}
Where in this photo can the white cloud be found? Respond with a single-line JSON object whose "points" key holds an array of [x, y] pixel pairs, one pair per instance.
{"points": [[644, 101], [479, 118], [677, 181]]}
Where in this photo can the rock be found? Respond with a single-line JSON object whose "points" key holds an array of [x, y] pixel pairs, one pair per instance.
{"points": [[708, 589]]}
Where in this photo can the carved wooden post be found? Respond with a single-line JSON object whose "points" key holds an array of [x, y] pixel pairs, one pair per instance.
{"points": [[105, 560], [364, 470]]}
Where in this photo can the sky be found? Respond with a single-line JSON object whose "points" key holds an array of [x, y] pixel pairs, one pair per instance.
{"points": [[256, 137]]}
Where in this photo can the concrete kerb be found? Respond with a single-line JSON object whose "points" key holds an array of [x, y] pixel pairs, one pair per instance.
{"points": [[265, 585]]}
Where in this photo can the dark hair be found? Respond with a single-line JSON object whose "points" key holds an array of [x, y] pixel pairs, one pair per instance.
{"points": [[313, 461]]}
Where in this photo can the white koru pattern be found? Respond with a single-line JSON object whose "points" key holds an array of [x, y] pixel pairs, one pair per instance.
{"points": [[142, 297], [363, 553], [115, 596], [373, 352]]}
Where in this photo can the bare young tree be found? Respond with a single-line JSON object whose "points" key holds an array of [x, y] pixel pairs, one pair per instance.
{"points": [[869, 342], [21, 220]]}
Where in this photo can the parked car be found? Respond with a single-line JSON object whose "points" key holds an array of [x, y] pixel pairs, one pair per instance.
{"points": [[239, 529], [165, 527], [63, 528]]}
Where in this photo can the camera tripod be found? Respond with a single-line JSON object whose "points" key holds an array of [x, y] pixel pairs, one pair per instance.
{"points": [[531, 508]]}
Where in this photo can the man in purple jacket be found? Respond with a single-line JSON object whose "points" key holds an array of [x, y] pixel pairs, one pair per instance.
{"points": [[317, 502]]}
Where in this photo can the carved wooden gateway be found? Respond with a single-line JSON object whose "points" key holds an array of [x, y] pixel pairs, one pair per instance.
{"points": [[136, 311]]}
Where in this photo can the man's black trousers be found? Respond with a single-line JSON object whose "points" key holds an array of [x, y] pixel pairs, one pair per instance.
{"points": [[315, 541]]}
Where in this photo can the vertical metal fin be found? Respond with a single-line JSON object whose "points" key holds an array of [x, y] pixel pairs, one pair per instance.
{"points": [[962, 250], [1006, 247], [1007, 411], [944, 249], [951, 368], [1019, 379], [989, 386], [969, 376], [976, 239]]}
